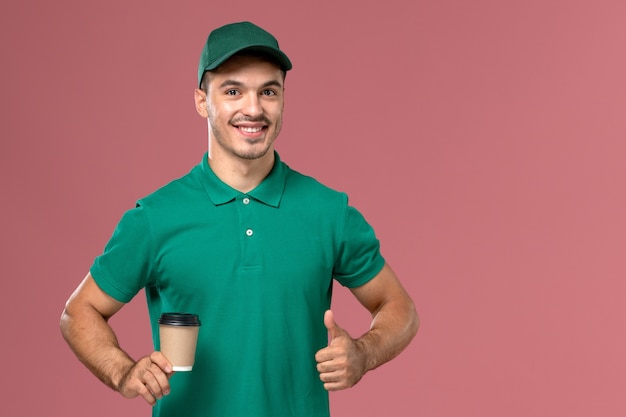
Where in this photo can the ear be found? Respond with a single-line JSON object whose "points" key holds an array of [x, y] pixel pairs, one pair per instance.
{"points": [[200, 99]]}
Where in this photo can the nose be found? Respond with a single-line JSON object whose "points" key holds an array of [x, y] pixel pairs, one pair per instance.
{"points": [[252, 105]]}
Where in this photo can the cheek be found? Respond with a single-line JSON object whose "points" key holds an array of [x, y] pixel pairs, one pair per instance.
{"points": [[277, 114], [216, 113]]}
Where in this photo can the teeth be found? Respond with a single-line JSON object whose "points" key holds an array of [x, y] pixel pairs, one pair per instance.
{"points": [[250, 129]]}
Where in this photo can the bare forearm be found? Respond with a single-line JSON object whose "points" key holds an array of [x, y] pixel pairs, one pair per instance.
{"points": [[392, 329], [95, 344]]}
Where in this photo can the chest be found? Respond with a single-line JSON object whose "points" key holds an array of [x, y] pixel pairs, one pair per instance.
{"points": [[246, 249]]}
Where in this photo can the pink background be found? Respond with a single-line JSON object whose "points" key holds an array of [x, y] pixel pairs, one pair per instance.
{"points": [[484, 140]]}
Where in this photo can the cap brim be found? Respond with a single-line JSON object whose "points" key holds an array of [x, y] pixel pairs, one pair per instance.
{"points": [[278, 55]]}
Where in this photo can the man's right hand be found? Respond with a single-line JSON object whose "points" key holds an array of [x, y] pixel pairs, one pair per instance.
{"points": [[147, 378], [84, 325]]}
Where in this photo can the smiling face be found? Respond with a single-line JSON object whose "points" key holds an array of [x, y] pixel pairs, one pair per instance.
{"points": [[244, 104]]}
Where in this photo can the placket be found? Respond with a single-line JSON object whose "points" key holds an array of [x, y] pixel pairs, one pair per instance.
{"points": [[250, 244]]}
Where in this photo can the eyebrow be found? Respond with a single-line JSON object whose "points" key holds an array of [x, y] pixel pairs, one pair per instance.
{"points": [[235, 83]]}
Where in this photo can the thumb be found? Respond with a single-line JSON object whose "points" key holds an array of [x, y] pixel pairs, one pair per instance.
{"points": [[329, 321]]}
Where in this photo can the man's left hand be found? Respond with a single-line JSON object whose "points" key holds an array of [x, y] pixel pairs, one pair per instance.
{"points": [[342, 363]]}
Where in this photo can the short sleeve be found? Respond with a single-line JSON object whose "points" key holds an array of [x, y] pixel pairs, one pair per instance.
{"points": [[359, 258], [123, 269]]}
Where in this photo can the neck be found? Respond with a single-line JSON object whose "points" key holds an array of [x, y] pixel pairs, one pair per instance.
{"points": [[241, 174]]}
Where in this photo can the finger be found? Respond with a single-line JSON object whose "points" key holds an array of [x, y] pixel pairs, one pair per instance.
{"points": [[335, 386], [162, 371], [322, 355], [161, 379], [333, 381], [327, 354], [161, 361], [325, 366], [144, 392], [331, 326], [150, 381], [328, 377], [157, 381], [145, 379]]}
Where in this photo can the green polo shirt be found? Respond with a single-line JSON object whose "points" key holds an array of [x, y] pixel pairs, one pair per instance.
{"points": [[258, 268]]}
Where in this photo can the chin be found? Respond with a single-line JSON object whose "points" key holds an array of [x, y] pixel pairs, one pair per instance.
{"points": [[252, 154]]}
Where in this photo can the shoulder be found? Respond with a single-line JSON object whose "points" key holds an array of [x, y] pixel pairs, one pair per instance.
{"points": [[307, 187], [175, 193]]}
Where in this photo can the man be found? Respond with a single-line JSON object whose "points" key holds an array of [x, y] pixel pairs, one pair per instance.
{"points": [[252, 247]]}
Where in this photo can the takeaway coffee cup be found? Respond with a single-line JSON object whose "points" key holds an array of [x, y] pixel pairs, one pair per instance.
{"points": [[179, 334]]}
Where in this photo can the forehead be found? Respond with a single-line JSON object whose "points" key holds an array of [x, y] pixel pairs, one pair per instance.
{"points": [[244, 69]]}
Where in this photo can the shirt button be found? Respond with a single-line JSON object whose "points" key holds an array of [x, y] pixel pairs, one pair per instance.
{"points": [[249, 232], [246, 200]]}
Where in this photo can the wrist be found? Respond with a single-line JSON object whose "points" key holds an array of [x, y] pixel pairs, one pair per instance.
{"points": [[366, 348], [118, 377]]}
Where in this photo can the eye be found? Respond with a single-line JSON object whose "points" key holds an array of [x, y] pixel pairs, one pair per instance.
{"points": [[231, 92], [268, 93]]}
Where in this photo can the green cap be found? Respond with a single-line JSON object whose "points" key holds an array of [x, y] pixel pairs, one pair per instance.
{"points": [[227, 40]]}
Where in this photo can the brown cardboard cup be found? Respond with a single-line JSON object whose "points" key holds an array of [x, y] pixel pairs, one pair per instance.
{"points": [[178, 333]]}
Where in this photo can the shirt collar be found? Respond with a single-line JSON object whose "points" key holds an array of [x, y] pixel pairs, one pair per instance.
{"points": [[269, 191]]}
